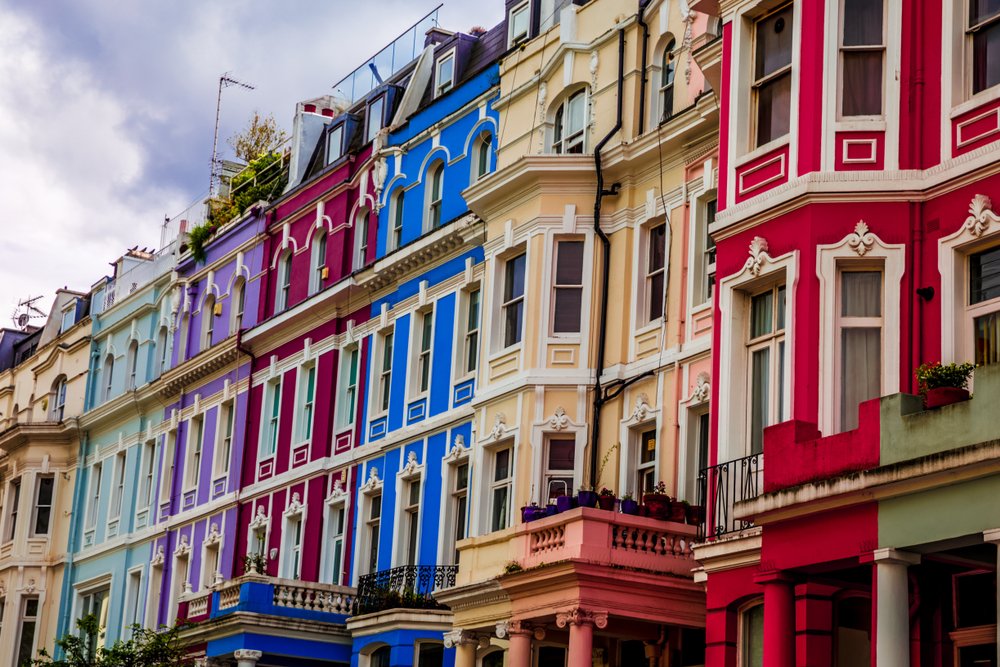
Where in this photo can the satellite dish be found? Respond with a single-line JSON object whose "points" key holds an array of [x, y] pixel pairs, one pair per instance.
{"points": [[22, 320]]}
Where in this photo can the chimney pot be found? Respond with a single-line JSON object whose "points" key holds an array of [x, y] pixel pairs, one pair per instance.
{"points": [[309, 108], [328, 113]]}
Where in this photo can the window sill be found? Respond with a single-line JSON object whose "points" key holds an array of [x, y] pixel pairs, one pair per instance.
{"points": [[860, 124], [976, 101], [652, 325], [499, 354], [702, 307], [565, 338], [761, 151]]}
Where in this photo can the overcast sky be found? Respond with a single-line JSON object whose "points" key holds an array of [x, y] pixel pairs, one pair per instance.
{"points": [[107, 110]]}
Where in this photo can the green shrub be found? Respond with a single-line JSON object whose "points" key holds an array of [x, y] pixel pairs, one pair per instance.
{"points": [[933, 376]]}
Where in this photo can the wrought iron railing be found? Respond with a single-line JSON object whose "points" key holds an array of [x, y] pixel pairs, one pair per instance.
{"points": [[406, 587], [723, 485]]}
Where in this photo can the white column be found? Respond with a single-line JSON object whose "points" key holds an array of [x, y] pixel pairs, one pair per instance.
{"points": [[993, 536], [246, 657], [892, 607]]}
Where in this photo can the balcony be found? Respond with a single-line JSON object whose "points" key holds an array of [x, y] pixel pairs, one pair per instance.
{"points": [[270, 596], [723, 485], [406, 587]]}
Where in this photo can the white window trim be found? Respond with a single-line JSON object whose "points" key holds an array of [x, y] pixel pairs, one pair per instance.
{"points": [[137, 590], [147, 462], [979, 231], [347, 414], [861, 247], [478, 146], [371, 488], [330, 570], [644, 418], [498, 345], [542, 433], [416, 340], [511, 37], [375, 409], [238, 290], [294, 513], [273, 384], [438, 83], [207, 322], [956, 63], [397, 199], [151, 603], [460, 361], [436, 167], [456, 456], [317, 263], [698, 243], [691, 409], [82, 590], [562, 106], [192, 442], [301, 380], [283, 290], [226, 412], [362, 221], [411, 472], [120, 479], [585, 289], [732, 442], [94, 493], [168, 470], [841, 49]]}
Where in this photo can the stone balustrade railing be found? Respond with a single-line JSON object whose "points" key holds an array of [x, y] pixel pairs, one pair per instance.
{"points": [[314, 597]]}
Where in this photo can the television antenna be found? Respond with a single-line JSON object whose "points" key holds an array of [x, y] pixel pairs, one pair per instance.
{"points": [[25, 312], [225, 81]]}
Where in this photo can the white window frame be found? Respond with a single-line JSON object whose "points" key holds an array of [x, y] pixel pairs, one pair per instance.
{"points": [[305, 405], [132, 610], [163, 350], [338, 132], [470, 342], [13, 505], [407, 513], [492, 485], [36, 505], [361, 229], [505, 303], [756, 84], [318, 252], [973, 311], [225, 433], [132, 366], [347, 399], [207, 321], [548, 476], [362, 558], [169, 467], [270, 426], [670, 51], [94, 493], [423, 358], [283, 288], [118, 489], [482, 149], [148, 479], [581, 286], [373, 123], [774, 341], [704, 252], [89, 590], [442, 86], [293, 537], [451, 497], [333, 565], [648, 275], [846, 322], [397, 210], [58, 411], [741, 630], [968, 40], [193, 452], [892, 258], [237, 304], [382, 397], [434, 180], [70, 312], [512, 37], [107, 376], [155, 592], [563, 143], [842, 49]]}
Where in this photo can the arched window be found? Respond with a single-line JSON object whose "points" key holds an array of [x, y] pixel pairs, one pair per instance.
{"points": [[237, 304], [58, 399], [435, 183], [284, 281], [132, 366], [207, 322], [667, 70], [379, 658], [570, 124], [751, 632], [162, 349], [396, 211], [494, 659], [108, 375], [316, 275], [482, 155], [361, 238], [852, 631]]}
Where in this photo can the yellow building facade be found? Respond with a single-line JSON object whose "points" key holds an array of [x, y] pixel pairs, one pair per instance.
{"points": [[42, 395], [596, 351]]}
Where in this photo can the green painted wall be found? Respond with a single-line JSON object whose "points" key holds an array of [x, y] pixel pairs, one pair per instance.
{"points": [[944, 513]]}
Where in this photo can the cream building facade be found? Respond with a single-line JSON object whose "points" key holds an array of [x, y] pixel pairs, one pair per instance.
{"points": [[596, 359], [42, 393]]}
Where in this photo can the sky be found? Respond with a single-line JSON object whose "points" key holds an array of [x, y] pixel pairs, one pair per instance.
{"points": [[107, 111]]}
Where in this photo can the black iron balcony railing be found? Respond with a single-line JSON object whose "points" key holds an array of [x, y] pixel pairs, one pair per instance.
{"points": [[406, 587], [723, 485]]}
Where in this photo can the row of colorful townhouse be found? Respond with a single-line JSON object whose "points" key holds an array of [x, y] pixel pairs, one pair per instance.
{"points": [[523, 262]]}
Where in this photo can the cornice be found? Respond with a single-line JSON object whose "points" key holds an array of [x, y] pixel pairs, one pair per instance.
{"points": [[198, 367], [529, 176], [39, 433], [137, 399]]}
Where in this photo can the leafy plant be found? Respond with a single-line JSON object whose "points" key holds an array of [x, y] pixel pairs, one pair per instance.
{"points": [[936, 375], [145, 648], [512, 567], [604, 462], [261, 135], [255, 562], [605, 491], [660, 488], [628, 496]]}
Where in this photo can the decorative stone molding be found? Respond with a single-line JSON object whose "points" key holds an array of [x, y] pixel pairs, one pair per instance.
{"points": [[411, 466], [861, 240], [642, 407], [758, 256], [373, 481], [158, 557], [379, 172], [295, 507], [702, 389], [457, 451], [577, 616], [259, 521], [247, 654], [29, 588], [338, 492], [214, 537], [559, 421], [981, 216], [183, 548], [542, 100], [505, 629], [458, 637], [499, 426]]}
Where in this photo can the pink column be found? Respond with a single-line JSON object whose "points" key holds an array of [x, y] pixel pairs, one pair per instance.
{"points": [[519, 634], [581, 634], [779, 619]]}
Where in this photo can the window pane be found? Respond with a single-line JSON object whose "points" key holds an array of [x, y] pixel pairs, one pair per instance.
{"points": [[375, 117], [780, 306], [987, 338], [566, 318], [862, 83], [773, 108], [761, 311], [512, 323], [514, 280], [569, 263], [986, 58], [760, 398], [656, 296], [657, 241], [502, 465], [499, 518], [860, 371], [575, 113], [561, 454], [862, 23], [980, 10], [753, 637], [334, 144], [861, 294], [984, 275], [647, 447], [774, 42]]}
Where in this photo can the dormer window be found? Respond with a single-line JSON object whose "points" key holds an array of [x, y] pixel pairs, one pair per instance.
{"points": [[444, 78], [374, 121], [68, 317], [335, 144], [570, 125], [519, 21], [772, 78]]}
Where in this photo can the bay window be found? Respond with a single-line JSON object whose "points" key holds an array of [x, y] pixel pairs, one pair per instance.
{"points": [[513, 300], [655, 278], [860, 340], [560, 462], [862, 50], [772, 78], [983, 310], [570, 124], [568, 287], [766, 354], [983, 35], [501, 473]]}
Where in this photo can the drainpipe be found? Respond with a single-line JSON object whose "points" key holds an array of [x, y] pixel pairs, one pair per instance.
{"points": [[599, 399], [643, 4]]}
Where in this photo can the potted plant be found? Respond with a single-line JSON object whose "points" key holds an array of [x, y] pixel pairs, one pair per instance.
{"points": [[606, 499], [695, 515], [531, 512], [586, 497], [629, 504], [657, 501], [944, 384], [551, 509], [565, 503], [678, 510]]}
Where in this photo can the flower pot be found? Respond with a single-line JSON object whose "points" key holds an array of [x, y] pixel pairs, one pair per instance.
{"points": [[696, 515], [658, 504], [941, 396], [677, 512], [531, 512], [587, 498], [629, 506], [565, 503], [606, 503], [551, 509]]}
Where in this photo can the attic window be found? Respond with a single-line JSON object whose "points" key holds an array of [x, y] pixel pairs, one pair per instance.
{"points": [[68, 316], [519, 21], [335, 144], [445, 76], [375, 111]]}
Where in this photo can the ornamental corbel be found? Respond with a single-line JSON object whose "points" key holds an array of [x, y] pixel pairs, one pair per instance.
{"points": [[499, 426], [457, 451], [981, 215], [338, 491], [577, 616], [373, 480], [411, 465], [247, 654], [861, 239], [259, 521], [702, 389], [758, 256], [559, 421], [295, 506], [158, 557], [183, 548], [213, 537], [642, 407], [459, 637]]}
